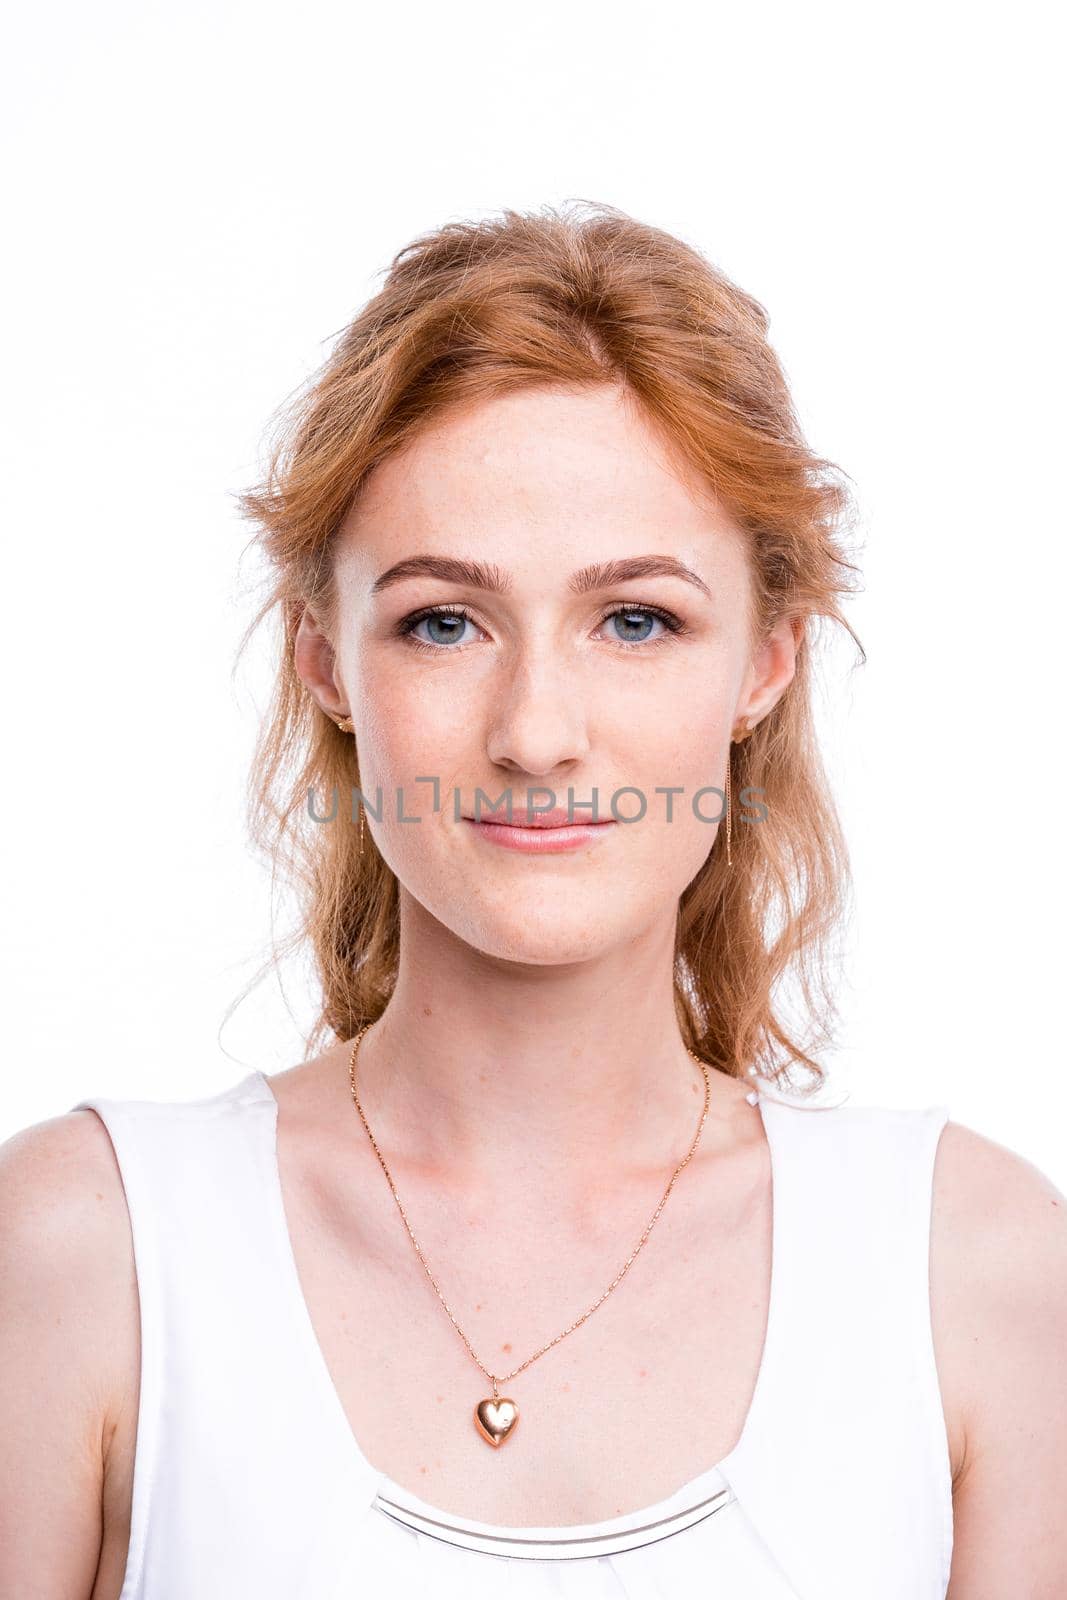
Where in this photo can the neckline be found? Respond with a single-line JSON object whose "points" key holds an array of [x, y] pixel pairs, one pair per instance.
{"points": [[707, 1480]]}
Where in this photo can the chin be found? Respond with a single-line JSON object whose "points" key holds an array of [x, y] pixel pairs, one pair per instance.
{"points": [[537, 936]]}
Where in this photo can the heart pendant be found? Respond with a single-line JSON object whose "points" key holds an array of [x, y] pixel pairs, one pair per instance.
{"points": [[495, 1419]]}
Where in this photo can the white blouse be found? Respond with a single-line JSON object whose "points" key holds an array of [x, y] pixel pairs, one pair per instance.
{"points": [[248, 1480]]}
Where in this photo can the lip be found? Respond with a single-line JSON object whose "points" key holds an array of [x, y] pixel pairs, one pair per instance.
{"points": [[550, 834], [558, 817]]}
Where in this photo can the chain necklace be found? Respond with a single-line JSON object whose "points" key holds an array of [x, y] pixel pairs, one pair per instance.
{"points": [[495, 1418]]}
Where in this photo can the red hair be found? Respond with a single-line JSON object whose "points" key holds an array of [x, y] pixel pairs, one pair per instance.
{"points": [[578, 295]]}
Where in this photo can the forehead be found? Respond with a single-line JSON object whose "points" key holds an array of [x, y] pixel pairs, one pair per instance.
{"points": [[560, 468]]}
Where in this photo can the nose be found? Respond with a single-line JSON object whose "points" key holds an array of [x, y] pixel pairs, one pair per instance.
{"points": [[539, 726]]}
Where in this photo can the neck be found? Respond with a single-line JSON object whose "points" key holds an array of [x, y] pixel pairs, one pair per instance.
{"points": [[484, 1072]]}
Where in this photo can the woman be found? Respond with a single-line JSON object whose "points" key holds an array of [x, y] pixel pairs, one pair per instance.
{"points": [[480, 1297]]}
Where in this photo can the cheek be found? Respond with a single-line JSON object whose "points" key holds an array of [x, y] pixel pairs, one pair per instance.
{"points": [[405, 735], [681, 744], [685, 752], [415, 724]]}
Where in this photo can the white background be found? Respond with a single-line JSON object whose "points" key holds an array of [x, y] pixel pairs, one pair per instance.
{"points": [[200, 196]]}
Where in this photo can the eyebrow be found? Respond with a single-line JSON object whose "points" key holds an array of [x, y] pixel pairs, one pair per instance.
{"points": [[480, 575]]}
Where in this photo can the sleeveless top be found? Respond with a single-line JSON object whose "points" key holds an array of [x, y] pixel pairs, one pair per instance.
{"points": [[248, 1480]]}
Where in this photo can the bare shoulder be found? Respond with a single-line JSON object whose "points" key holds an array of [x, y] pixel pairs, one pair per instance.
{"points": [[50, 1172], [62, 1190], [999, 1223], [998, 1282], [68, 1332], [65, 1228]]}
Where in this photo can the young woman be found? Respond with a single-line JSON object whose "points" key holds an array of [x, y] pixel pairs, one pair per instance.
{"points": [[542, 1274]]}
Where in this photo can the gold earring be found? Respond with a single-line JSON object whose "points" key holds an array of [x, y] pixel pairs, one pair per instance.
{"points": [[346, 725], [729, 758], [736, 737]]}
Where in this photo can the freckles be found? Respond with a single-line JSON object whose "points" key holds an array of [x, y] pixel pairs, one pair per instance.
{"points": [[436, 710]]}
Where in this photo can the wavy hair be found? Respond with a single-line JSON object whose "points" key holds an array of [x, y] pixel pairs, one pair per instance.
{"points": [[580, 294]]}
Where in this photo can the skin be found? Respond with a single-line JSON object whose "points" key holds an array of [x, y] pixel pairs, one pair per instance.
{"points": [[550, 977], [527, 1081]]}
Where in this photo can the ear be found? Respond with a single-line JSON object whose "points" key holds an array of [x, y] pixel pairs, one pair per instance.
{"points": [[316, 664], [772, 669]]}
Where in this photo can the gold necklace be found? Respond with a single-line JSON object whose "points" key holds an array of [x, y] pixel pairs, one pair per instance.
{"points": [[495, 1418]]}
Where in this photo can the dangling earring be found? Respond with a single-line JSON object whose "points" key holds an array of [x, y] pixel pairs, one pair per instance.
{"points": [[346, 725], [735, 738], [729, 758]]}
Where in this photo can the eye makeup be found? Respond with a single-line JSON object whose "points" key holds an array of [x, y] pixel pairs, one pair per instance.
{"points": [[674, 625]]}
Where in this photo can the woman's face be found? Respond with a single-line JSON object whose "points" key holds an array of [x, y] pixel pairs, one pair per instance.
{"points": [[559, 682]]}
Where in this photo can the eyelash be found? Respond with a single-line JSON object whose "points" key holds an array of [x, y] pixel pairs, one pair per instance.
{"points": [[674, 624]]}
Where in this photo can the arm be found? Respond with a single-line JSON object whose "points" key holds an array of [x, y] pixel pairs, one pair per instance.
{"points": [[65, 1303], [999, 1296]]}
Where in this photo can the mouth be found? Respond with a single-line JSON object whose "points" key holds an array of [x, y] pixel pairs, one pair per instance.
{"points": [[558, 817], [544, 833]]}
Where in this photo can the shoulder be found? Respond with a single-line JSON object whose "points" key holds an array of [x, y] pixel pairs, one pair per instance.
{"points": [[998, 1279], [998, 1221], [67, 1281], [61, 1188]]}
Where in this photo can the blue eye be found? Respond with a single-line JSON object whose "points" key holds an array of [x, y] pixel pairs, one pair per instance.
{"points": [[446, 625], [449, 626], [634, 616]]}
